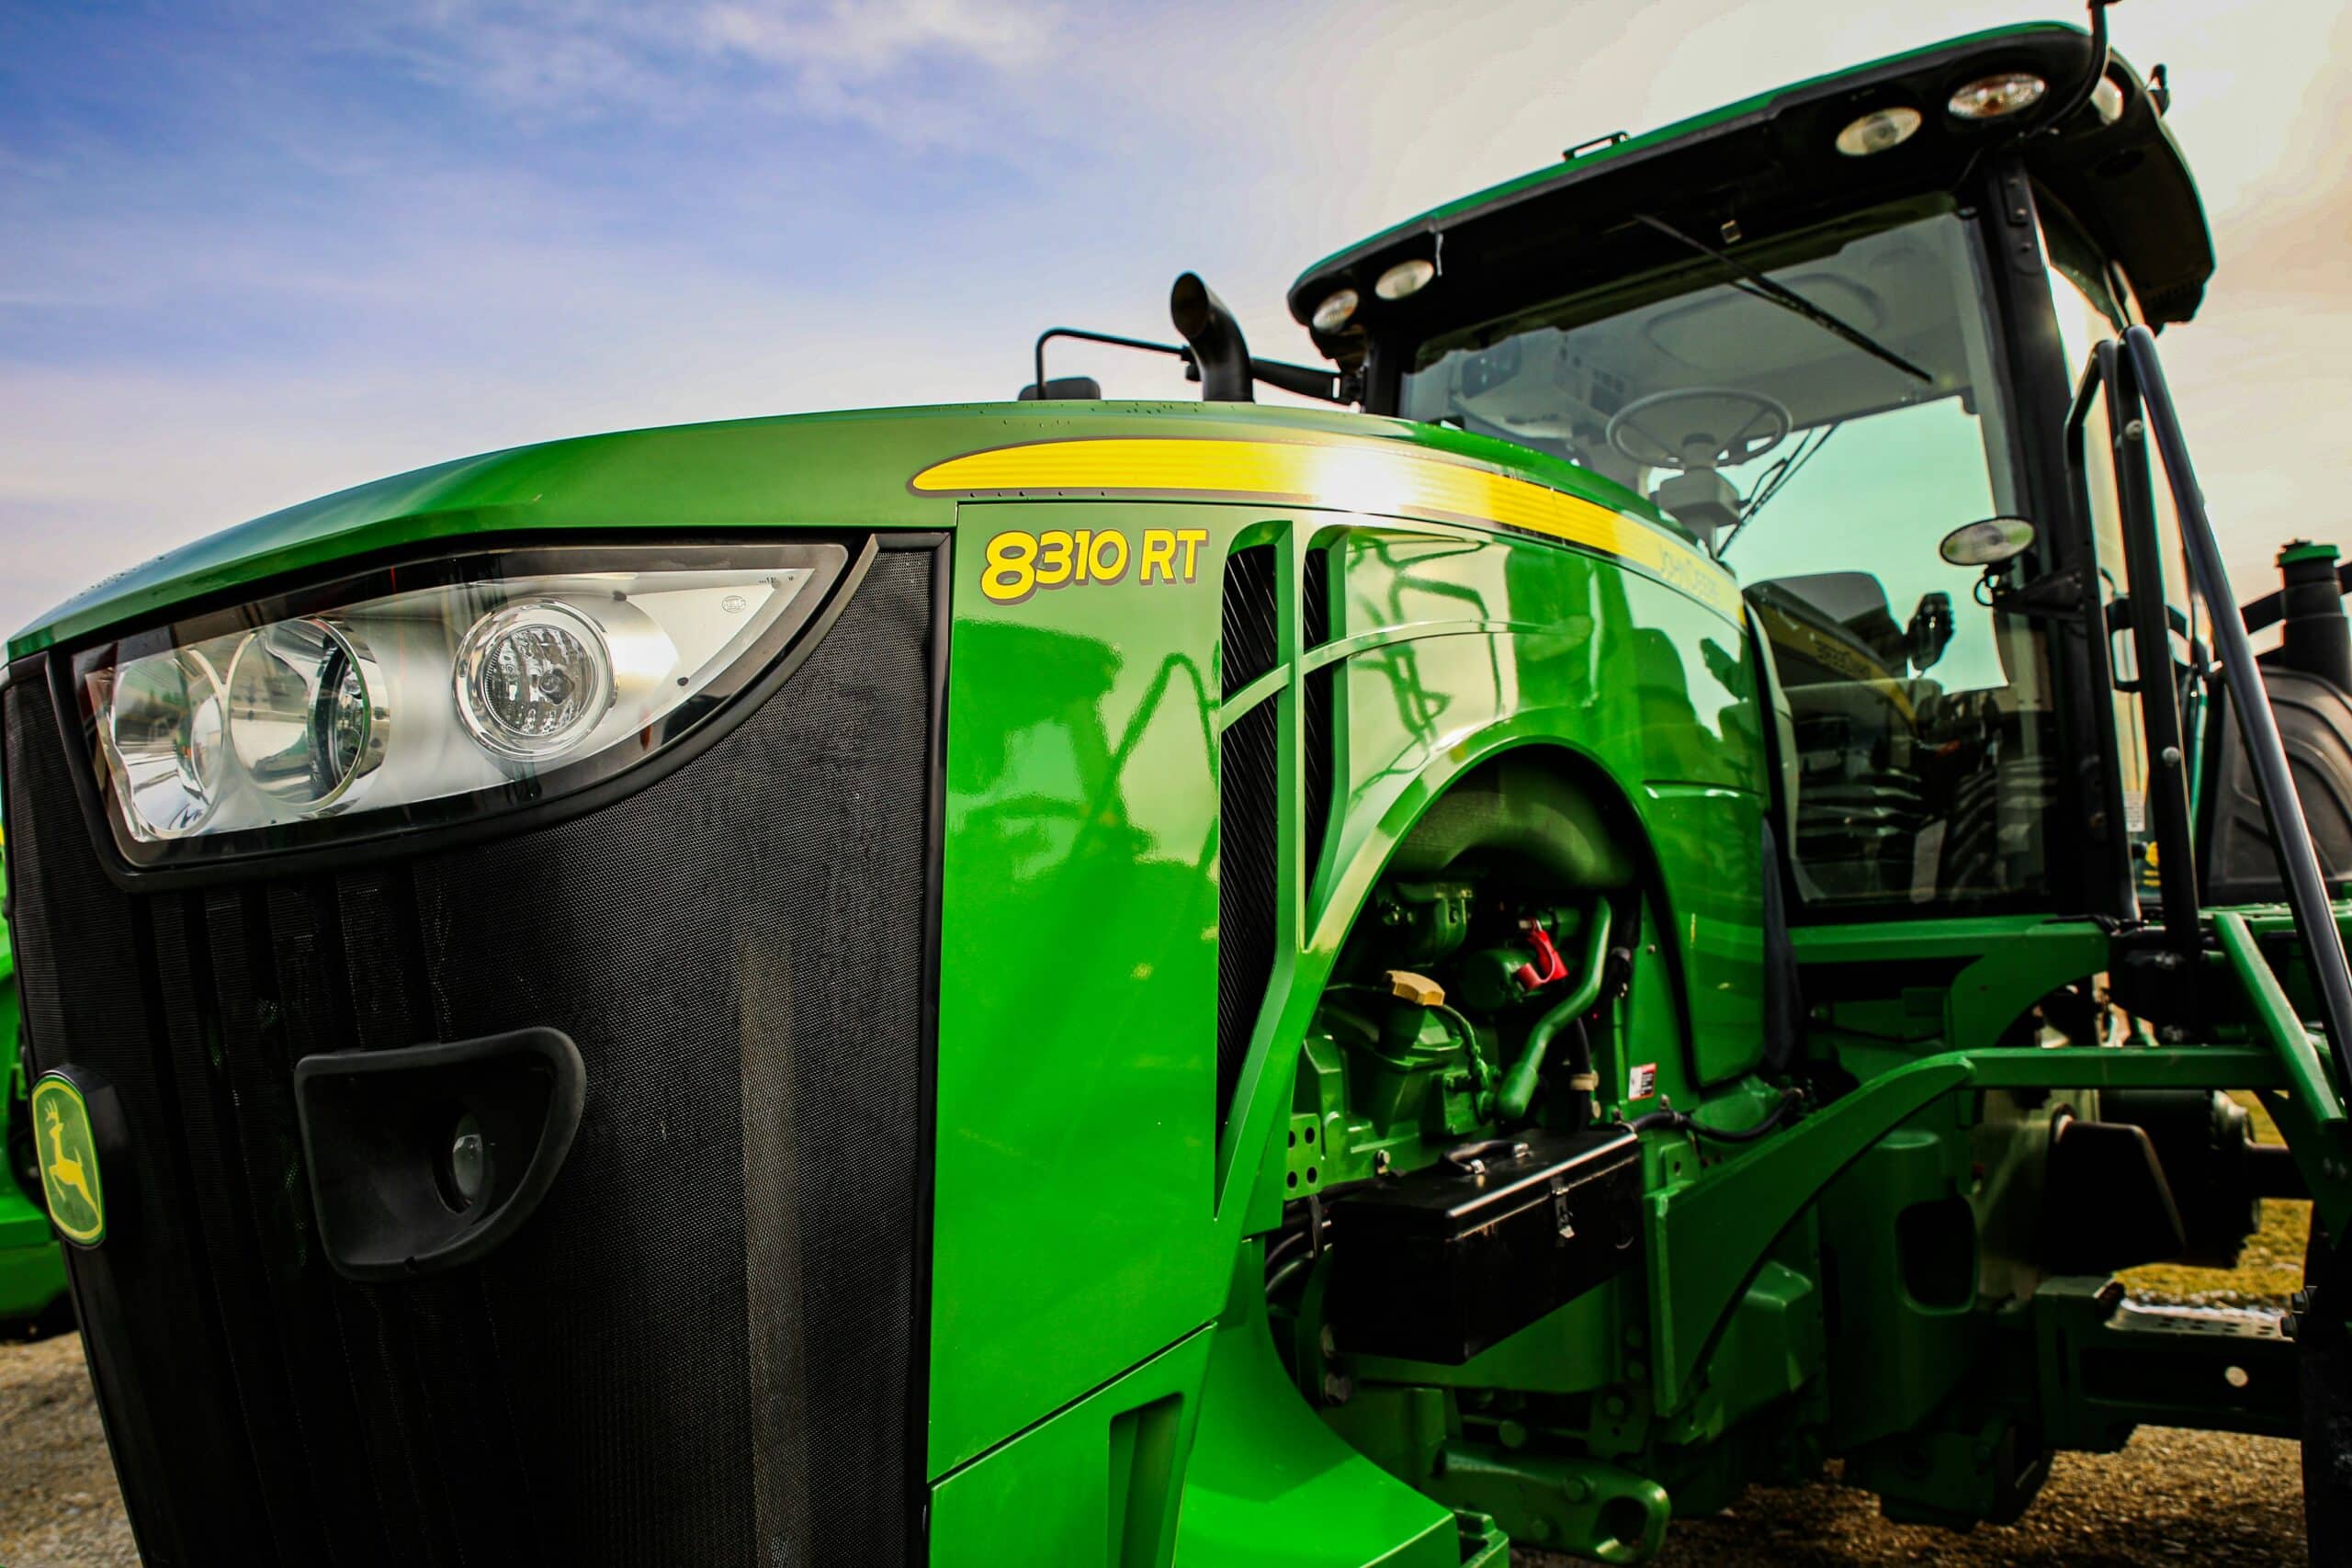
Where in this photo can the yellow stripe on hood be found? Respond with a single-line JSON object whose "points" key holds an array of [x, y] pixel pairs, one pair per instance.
{"points": [[1382, 481]]}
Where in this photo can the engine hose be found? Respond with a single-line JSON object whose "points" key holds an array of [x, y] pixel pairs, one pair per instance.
{"points": [[1284, 1275], [1284, 1245], [1582, 1081], [1481, 1069], [1518, 1085], [1683, 1121]]}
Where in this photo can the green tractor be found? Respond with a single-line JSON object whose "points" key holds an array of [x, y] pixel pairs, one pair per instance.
{"points": [[1660, 896]]}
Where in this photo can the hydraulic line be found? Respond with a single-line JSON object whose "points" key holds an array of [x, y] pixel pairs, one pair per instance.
{"points": [[1680, 1121], [1518, 1085]]}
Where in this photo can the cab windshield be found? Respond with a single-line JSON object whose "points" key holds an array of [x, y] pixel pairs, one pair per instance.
{"points": [[1918, 736]]}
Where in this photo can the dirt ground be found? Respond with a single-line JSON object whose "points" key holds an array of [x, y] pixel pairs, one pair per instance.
{"points": [[2169, 1497], [59, 1505]]}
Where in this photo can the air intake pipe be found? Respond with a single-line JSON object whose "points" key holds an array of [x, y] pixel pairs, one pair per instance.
{"points": [[1214, 337], [2315, 638]]}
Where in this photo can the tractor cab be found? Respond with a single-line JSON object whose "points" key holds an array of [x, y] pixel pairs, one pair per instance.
{"points": [[1831, 332]]}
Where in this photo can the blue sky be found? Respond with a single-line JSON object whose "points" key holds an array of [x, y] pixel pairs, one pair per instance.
{"points": [[252, 252]]}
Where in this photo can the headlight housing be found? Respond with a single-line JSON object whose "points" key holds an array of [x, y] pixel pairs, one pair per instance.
{"points": [[424, 694]]}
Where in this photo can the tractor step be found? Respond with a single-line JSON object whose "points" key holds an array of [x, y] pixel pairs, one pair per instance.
{"points": [[2109, 1364]]}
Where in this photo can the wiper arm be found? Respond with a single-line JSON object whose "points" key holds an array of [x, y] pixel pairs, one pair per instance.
{"points": [[1780, 475], [1763, 287]]}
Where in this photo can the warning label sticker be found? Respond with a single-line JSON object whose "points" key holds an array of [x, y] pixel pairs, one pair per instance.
{"points": [[1641, 1082]]}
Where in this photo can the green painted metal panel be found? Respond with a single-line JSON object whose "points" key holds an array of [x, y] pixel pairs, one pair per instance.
{"points": [[1269, 1486], [1074, 1211], [1707, 1236], [1097, 1483], [32, 1274]]}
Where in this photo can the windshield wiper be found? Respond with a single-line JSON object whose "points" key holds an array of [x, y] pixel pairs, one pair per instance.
{"points": [[1780, 474], [1763, 287]]}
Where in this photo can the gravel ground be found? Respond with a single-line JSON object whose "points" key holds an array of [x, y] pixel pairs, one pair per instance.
{"points": [[2169, 1497], [59, 1507]]}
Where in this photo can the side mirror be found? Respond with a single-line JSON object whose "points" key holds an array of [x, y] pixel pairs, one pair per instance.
{"points": [[1987, 542]]}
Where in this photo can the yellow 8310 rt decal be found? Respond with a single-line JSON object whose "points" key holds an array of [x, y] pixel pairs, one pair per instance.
{"points": [[1020, 563]]}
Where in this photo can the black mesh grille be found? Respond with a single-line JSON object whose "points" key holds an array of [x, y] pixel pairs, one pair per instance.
{"points": [[1252, 638], [1248, 773], [1315, 598], [1317, 696], [701, 1347]]}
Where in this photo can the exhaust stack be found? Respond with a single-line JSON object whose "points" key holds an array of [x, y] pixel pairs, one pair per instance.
{"points": [[2316, 637], [1216, 340]]}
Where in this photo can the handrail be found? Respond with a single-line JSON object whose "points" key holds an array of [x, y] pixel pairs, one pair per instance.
{"points": [[2097, 652], [2275, 1015], [2168, 785], [2299, 863]]}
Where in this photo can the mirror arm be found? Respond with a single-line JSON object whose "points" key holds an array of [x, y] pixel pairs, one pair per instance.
{"points": [[1304, 381], [2058, 595], [1191, 369]]}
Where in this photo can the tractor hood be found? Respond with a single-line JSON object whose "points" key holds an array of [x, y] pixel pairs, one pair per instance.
{"points": [[827, 470]]}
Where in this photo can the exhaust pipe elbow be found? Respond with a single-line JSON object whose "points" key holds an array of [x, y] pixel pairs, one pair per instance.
{"points": [[1214, 337]]}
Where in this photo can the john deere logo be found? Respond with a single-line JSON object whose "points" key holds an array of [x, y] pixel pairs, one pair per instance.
{"points": [[69, 1161]]}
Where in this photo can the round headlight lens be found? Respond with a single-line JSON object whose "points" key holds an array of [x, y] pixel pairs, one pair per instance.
{"points": [[1878, 131], [1991, 98], [1407, 277], [1338, 308], [164, 729], [533, 680], [301, 712]]}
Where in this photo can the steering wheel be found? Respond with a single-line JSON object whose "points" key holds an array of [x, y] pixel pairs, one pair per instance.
{"points": [[1757, 423]]}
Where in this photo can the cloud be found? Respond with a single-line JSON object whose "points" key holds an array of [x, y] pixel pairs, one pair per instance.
{"points": [[874, 63], [864, 41]]}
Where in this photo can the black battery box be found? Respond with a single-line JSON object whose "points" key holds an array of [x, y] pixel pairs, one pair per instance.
{"points": [[1440, 1264]]}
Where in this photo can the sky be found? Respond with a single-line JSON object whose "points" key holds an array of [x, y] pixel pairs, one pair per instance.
{"points": [[251, 251]]}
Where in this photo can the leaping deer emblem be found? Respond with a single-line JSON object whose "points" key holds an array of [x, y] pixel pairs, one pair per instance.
{"points": [[63, 1169]]}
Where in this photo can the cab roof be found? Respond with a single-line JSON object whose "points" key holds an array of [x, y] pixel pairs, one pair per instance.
{"points": [[1769, 163]]}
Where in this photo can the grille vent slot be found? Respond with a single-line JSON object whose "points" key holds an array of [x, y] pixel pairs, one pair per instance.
{"points": [[1252, 641], [1248, 774], [1316, 715]]}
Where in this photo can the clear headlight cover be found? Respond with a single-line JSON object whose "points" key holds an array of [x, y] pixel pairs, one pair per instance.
{"points": [[421, 694]]}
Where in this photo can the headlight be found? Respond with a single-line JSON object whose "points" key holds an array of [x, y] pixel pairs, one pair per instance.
{"points": [[164, 725], [533, 679], [1878, 131], [1338, 308], [1995, 97], [303, 718], [422, 693]]}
